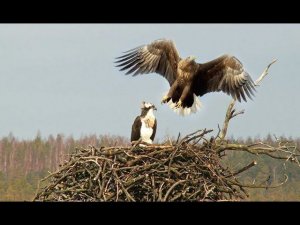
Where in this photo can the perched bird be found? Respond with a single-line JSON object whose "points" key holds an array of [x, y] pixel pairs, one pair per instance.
{"points": [[144, 125], [187, 78]]}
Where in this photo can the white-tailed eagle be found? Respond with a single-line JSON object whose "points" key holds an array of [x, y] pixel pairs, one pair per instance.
{"points": [[187, 78]]}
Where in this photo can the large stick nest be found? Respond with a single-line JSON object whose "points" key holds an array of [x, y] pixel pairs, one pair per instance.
{"points": [[186, 170]]}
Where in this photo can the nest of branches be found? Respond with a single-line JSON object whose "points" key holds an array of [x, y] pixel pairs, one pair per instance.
{"points": [[187, 170]]}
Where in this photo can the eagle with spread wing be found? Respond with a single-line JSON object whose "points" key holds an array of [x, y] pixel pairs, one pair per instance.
{"points": [[187, 78]]}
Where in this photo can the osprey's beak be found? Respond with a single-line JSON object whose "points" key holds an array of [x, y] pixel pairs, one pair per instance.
{"points": [[154, 108]]}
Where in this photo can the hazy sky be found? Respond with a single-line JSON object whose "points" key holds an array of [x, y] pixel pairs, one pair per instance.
{"points": [[60, 78]]}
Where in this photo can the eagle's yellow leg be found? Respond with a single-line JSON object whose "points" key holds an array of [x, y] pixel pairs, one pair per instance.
{"points": [[178, 104], [165, 99]]}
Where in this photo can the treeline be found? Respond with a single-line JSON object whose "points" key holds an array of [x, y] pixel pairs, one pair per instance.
{"points": [[24, 162]]}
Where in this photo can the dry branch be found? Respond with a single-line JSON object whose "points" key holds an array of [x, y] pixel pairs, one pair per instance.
{"points": [[231, 111]]}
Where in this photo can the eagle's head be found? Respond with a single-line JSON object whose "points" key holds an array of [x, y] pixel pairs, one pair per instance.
{"points": [[147, 107], [191, 58], [188, 64]]}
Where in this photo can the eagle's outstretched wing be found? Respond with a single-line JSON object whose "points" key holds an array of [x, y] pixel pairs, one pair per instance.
{"points": [[226, 74], [160, 56]]}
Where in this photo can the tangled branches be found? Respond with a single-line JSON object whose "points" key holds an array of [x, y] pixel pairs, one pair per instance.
{"points": [[182, 171], [186, 170]]}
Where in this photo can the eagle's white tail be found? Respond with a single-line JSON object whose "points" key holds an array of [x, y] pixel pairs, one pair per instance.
{"points": [[186, 111]]}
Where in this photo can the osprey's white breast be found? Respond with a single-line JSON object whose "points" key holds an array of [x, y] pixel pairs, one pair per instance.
{"points": [[147, 126]]}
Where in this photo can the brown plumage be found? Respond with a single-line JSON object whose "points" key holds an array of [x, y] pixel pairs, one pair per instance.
{"points": [[187, 78]]}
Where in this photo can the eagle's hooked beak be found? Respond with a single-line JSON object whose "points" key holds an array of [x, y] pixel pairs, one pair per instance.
{"points": [[154, 108]]}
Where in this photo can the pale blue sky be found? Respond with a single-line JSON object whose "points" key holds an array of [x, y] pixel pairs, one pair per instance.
{"points": [[60, 78]]}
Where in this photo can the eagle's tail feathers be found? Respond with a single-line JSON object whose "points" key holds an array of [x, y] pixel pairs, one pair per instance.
{"points": [[184, 111]]}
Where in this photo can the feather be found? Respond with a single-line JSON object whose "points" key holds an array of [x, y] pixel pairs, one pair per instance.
{"points": [[226, 74], [160, 56]]}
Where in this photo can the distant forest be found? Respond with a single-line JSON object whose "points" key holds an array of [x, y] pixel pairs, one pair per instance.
{"points": [[23, 163]]}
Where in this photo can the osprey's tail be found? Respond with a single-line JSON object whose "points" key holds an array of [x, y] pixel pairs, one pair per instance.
{"points": [[184, 111]]}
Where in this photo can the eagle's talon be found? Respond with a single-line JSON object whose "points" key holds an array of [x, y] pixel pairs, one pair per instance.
{"points": [[178, 104], [165, 99]]}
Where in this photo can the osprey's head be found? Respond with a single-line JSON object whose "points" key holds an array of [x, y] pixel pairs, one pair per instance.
{"points": [[147, 107]]}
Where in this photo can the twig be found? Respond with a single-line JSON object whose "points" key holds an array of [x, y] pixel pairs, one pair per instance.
{"points": [[243, 169], [171, 188], [265, 73]]}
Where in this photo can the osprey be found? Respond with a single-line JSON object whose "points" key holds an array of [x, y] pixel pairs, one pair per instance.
{"points": [[187, 78], [144, 126]]}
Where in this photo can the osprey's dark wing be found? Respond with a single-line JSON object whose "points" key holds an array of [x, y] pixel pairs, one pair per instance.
{"points": [[160, 56], [136, 129], [154, 130], [226, 74]]}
